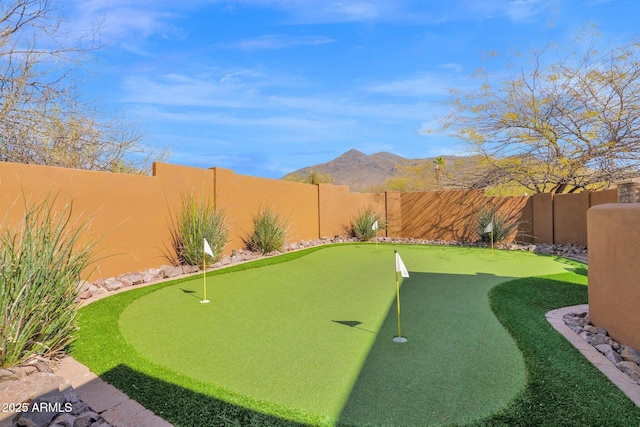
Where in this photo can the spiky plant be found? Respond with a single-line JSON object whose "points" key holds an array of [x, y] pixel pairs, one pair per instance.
{"points": [[41, 262], [503, 226], [196, 221], [269, 231], [361, 226]]}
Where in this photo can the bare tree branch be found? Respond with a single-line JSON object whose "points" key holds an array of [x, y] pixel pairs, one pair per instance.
{"points": [[42, 118], [564, 127]]}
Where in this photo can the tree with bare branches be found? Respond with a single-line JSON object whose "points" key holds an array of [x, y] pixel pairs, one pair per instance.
{"points": [[42, 118], [560, 126]]}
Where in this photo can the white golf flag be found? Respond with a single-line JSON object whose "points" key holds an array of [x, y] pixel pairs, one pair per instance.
{"points": [[400, 268], [489, 228], [207, 248], [374, 227]]}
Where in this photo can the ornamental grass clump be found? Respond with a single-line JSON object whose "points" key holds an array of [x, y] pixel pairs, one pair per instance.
{"points": [[502, 225], [41, 262], [269, 232], [196, 221], [362, 225]]}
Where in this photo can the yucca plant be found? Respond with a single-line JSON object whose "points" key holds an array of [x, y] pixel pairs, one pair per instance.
{"points": [[269, 231], [502, 225], [41, 262], [361, 226], [196, 221]]}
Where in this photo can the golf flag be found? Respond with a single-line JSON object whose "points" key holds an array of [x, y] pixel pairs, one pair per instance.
{"points": [[400, 268], [489, 228], [207, 248], [375, 226]]}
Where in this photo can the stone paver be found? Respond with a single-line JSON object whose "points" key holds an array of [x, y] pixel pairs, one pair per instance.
{"points": [[17, 392], [132, 414], [114, 406], [620, 379]]}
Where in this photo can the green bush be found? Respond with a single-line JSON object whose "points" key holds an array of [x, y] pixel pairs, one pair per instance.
{"points": [[503, 225], [269, 232], [41, 261], [196, 221], [361, 226]]}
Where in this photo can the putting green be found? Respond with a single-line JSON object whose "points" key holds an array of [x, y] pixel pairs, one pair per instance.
{"points": [[315, 334]]}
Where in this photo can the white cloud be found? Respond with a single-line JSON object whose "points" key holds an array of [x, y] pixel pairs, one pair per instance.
{"points": [[251, 90], [122, 19], [420, 86], [518, 10], [275, 41], [333, 11]]}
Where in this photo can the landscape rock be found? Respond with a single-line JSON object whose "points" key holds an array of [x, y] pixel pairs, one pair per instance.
{"points": [[136, 279], [98, 291], [86, 419], [63, 420], [629, 368], [7, 375], [169, 271], [111, 284], [86, 294], [83, 285], [625, 358], [630, 354], [599, 339], [609, 353], [53, 402]]}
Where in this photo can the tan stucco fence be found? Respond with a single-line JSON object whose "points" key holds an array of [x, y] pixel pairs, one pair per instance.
{"points": [[131, 215], [614, 271]]}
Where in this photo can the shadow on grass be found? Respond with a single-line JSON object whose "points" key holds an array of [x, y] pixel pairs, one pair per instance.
{"points": [[439, 375], [353, 324], [456, 352], [184, 407]]}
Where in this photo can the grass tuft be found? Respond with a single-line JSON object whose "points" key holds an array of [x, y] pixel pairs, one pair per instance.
{"points": [[41, 261], [361, 226], [195, 222], [269, 232], [503, 226]]}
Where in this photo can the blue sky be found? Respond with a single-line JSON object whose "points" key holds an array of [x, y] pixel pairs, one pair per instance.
{"points": [[265, 87]]}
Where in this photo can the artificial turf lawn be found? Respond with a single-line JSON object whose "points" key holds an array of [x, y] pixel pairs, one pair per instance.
{"points": [[284, 338]]}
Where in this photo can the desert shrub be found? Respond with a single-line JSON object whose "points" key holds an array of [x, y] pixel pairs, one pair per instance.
{"points": [[196, 221], [503, 225], [269, 232], [361, 226], [41, 262]]}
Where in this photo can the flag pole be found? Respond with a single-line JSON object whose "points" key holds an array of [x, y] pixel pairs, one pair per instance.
{"points": [[377, 242], [398, 301], [491, 241], [399, 338], [204, 271]]}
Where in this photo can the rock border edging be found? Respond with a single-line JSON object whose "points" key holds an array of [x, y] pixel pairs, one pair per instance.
{"points": [[556, 318]]}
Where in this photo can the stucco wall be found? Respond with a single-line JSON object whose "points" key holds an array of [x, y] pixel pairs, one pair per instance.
{"points": [[243, 196], [614, 270], [130, 214], [570, 218], [338, 206], [451, 215]]}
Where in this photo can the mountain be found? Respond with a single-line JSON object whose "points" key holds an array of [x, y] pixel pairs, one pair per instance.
{"points": [[358, 170]]}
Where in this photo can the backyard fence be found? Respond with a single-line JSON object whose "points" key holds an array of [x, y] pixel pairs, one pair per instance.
{"points": [[131, 215]]}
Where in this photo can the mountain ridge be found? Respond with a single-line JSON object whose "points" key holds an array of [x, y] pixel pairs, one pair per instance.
{"points": [[358, 170]]}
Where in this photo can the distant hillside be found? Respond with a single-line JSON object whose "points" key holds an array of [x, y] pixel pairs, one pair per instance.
{"points": [[358, 170]]}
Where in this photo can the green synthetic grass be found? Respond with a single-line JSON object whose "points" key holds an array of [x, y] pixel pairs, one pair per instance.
{"points": [[563, 387], [285, 340]]}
